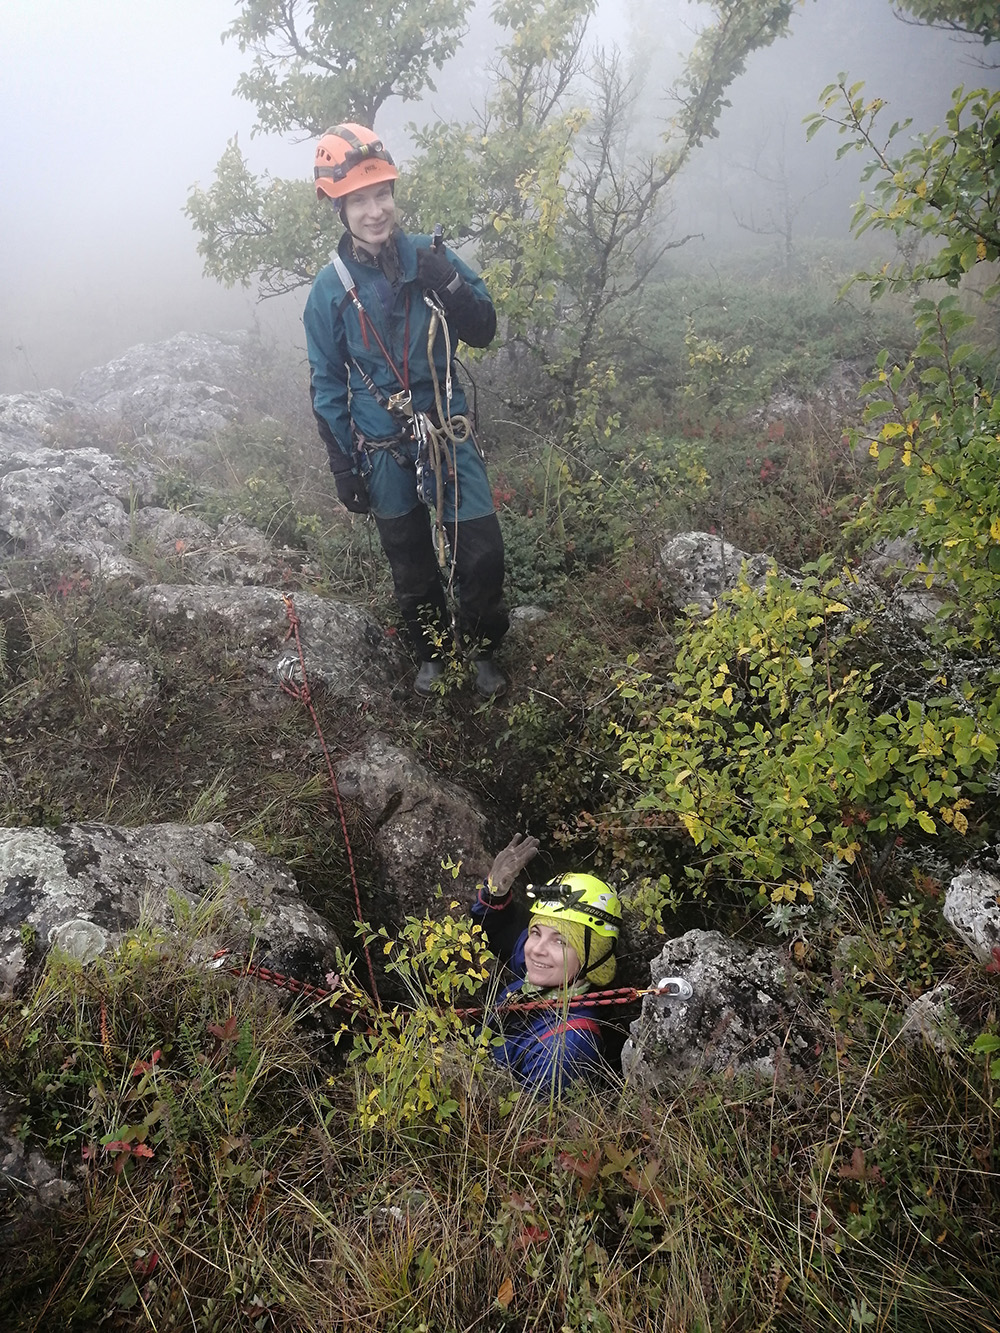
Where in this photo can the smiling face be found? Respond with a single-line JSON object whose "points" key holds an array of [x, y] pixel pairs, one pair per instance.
{"points": [[370, 215], [548, 959]]}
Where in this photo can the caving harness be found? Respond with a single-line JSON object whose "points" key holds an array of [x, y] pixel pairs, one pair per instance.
{"points": [[436, 441]]}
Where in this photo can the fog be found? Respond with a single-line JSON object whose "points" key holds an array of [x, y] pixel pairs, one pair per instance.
{"points": [[113, 109], [761, 146]]}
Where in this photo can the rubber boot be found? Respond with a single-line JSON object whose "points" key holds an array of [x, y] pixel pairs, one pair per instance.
{"points": [[429, 673], [490, 680]]}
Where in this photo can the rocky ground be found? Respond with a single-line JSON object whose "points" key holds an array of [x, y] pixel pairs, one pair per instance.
{"points": [[197, 616]]}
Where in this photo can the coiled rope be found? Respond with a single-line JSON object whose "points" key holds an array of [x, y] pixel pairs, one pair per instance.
{"points": [[452, 432]]}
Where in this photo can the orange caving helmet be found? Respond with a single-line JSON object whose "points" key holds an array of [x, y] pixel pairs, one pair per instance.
{"points": [[349, 157]]}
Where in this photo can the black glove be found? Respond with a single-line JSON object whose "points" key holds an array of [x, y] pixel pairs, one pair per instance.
{"points": [[352, 492], [435, 273]]}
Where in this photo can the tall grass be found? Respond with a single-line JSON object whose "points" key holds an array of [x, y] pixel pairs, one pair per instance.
{"points": [[233, 1181]]}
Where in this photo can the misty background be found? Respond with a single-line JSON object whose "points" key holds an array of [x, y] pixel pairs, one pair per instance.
{"points": [[113, 109]]}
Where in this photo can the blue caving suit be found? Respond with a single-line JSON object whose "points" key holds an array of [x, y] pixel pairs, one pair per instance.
{"points": [[361, 436], [543, 1048]]}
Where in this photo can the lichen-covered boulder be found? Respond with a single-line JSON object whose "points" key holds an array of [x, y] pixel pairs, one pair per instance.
{"points": [[930, 1019], [26, 1174], [233, 551], [126, 679], [344, 648], [82, 509], [972, 907], [744, 1015], [69, 500], [702, 567], [183, 389], [47, 417], [82, 886], [418, 821], [74, 506], [889, 564]]}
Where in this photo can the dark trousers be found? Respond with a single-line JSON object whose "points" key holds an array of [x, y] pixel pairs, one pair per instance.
{"points": [[416, 578]]}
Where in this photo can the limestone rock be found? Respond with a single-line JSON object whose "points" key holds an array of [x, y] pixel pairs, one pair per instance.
{"points": [[29, 1175], [125, 678], [68, 500], [344, 648], [889, 563], [703, 567], [73, 505], [418, 821], [524, 617], [744, 1016], [180, 390], [972, 907], [48, 416], [82, 886], [930, 1018], [829, 402], [82, 509], [197, 552]]}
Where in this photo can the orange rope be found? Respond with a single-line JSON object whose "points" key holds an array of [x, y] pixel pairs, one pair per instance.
{"points": [[304, 695]]}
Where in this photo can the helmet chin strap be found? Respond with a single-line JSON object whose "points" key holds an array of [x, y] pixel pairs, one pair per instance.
{"points": [[340, 206], [586, 957], [588, 962], [355, 238]]}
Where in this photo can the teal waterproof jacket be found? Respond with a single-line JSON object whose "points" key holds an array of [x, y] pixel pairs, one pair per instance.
{"points": [[340, 347]]}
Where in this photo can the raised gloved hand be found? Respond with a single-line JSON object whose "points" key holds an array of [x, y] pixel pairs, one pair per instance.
{"points": [[436, 273], [508, 865], [352, 492]]}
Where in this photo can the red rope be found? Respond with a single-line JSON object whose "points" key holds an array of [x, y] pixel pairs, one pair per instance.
{"points": [[593, 999], [304, 695], [366, 325]]}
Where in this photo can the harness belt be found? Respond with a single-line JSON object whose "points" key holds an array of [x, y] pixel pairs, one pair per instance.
{"points": [[436, 441]]}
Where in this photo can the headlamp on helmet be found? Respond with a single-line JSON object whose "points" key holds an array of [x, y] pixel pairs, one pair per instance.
{"points": [[350, 157], [581, 898]]}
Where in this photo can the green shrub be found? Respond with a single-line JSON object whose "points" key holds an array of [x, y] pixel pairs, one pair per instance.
{"points": [[937, 442], [767, 332], [409, 1065], [772, 747]]}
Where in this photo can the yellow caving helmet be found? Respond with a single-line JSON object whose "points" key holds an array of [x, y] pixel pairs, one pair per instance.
{"points": [[581, 898], [587, 914]]}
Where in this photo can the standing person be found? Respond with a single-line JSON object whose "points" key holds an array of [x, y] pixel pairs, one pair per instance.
{"points": [[564, 949], [380, 323]]}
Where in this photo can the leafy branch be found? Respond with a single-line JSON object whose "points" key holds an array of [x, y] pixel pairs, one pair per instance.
{"points": [[947, 189]]}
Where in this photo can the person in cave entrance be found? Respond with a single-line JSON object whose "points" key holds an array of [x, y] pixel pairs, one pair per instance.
{"points": [[561, 948]]}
